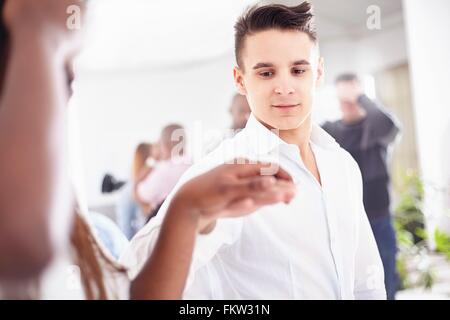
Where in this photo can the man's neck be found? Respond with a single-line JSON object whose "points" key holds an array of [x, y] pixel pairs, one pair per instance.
{"points": [[300, 136]]}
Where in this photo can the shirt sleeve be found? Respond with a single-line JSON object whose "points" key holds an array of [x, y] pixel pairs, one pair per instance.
{"points": [[141, 246], [369, 272], [201, 279]]}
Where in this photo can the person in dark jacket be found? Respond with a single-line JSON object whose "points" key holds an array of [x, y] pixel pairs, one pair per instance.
{"points": [[366, 131]]}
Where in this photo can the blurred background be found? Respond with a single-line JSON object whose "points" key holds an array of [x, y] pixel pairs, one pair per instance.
{"points": [[150, 63]]}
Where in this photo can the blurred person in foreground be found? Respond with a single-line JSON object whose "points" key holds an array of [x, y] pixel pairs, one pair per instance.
{"points": [[35, 201]]}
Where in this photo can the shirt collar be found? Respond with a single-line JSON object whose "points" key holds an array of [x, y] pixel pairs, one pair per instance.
{"points": [[261, 140]]}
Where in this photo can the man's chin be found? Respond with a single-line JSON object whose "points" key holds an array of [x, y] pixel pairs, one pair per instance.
{"points": [[287, 123], [282, 122]]}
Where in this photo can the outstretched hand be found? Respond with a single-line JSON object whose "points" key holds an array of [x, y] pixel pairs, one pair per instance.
{"points": [[233, 190]]}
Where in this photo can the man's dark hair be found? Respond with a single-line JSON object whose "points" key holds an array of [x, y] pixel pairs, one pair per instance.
{"points": [[274, 16], [346, 77], [3, 30], [4, 46]]}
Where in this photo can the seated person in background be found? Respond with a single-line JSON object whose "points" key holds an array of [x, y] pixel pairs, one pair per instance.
{"points": [[173, 163], [143, 167], [129, 209], [240, 112], [112, 238]]}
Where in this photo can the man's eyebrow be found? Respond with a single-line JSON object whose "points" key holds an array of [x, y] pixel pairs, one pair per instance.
{"points": [[270, 65], [301, 62], [262, 65]]}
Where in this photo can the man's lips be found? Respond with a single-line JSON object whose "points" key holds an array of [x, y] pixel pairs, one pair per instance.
{"points": [[285, 106]]}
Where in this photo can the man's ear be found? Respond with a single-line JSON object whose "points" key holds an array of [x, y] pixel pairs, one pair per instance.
{"points": [[320, 72], [239, 80]]}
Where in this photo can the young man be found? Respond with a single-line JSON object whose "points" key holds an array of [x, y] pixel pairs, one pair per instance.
{"points": [[320, 246], [366, 131]]}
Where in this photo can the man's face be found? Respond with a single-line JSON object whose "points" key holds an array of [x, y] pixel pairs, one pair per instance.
{"points": [[347, 93], [281, 71]]}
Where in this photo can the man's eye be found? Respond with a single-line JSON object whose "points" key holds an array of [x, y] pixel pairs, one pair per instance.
{"points": [[266, 74], [299, 71]]}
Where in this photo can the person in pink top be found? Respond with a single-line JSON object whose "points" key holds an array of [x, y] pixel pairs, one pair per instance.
{"points": [[163, 178]]}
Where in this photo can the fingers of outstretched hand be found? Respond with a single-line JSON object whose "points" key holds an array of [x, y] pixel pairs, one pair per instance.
{"points": [[244, 169], [243, 187], [253, 195], [251, 203], [255, 187]]}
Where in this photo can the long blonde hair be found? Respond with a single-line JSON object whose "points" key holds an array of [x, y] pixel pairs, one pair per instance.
{"points": [[142, 152]]}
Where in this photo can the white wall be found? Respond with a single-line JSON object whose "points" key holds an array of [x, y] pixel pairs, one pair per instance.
{"points": [[374, 52], [382, 50], [428, 26], [117, 110]]}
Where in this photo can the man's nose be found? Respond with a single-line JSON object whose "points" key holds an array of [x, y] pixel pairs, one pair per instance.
{"points": [[284, 87]]}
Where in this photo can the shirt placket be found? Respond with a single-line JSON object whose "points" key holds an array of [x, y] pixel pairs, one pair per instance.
{"points": [[329, 195]]}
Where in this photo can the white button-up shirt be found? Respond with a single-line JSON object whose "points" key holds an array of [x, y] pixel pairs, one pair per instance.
{"points": [[320, 246]]}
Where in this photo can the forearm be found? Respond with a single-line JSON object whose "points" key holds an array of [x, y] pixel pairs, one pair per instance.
{"points": [[374, 111], [368, 105], [383, 129], [32, 116], [164, 274]]}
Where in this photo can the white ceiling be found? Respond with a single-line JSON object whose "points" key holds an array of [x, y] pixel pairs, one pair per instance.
{"points": [[347, 18], [132, 33], [159, 33]]}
